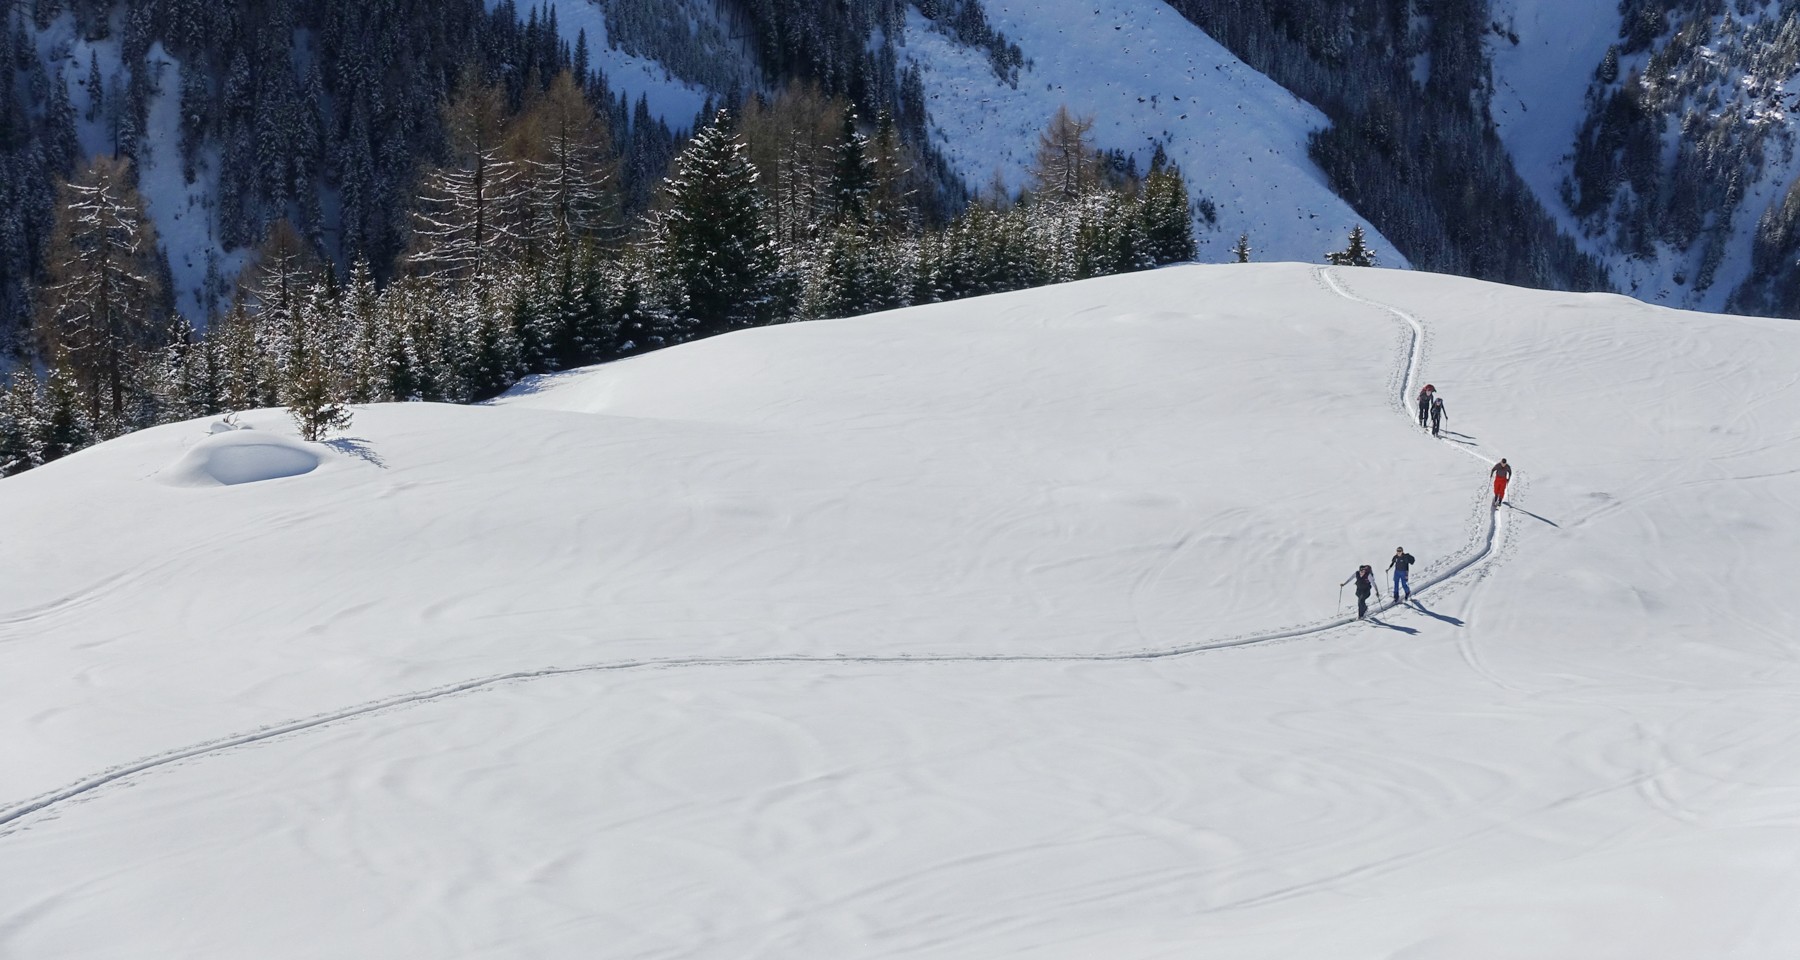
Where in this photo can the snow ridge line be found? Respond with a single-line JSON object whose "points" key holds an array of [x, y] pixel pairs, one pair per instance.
{"points": [[13, 814]]}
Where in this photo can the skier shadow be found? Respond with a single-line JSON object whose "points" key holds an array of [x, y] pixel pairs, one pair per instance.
{"points": [[1453, 433], [1535, 516], [1420, 606], [1371, 618], [357, 447], [1458, 438]]}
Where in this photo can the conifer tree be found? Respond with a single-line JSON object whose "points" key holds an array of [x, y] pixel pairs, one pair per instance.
{"points": [[63, 423], [1168, 222], [1241, 252], [313, 391], [712, 250], [20, 425], [469, 208], [571, 178], [1066, 165], [853, 175], [1356, 254], [104, 297]]}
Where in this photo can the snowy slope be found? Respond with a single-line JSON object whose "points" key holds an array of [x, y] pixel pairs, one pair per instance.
{"points": [[864, 638], [670, 99], [1146, 75]]}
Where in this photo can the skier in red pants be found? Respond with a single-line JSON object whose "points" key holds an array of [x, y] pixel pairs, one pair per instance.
{"points": [[1501, 473]]}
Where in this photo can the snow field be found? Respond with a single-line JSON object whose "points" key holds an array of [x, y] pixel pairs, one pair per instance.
{"points": [[1581, 747]]}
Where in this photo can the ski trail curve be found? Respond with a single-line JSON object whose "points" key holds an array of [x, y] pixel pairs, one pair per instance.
{"points": [[1495, 534], [1479, 553]]}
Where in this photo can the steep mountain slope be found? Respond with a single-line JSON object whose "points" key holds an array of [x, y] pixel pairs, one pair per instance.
{"points": [[1148, 78], [827, 640], [1662, 135]]}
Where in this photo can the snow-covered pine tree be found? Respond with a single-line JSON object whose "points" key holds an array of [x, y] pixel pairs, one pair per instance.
{"points": [[853, 175], [359, 320], [891, 209], [63, 423], [21, 428], [1355, 254], [313, 385], [1241, 251], [1167, 219], [711, 246], [486, 348], [247, 370]]}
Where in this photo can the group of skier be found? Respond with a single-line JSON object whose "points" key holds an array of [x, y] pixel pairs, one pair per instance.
{"points": [[1431, 408], [1431, 413], [1364, 578]]}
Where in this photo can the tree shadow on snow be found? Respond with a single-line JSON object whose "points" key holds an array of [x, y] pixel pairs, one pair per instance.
{"points": [[357, 447]]}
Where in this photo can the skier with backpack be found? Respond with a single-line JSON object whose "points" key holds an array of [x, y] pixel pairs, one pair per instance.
{"points": [[1425, 396], [1502, 472], [1365, 582], [1401, 564], [1437, 413]]}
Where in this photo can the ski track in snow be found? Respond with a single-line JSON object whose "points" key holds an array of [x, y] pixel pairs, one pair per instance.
{"points": [[1485, 547]]}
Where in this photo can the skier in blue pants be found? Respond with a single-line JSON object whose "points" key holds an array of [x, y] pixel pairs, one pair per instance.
{"points": [[1401, 565]]}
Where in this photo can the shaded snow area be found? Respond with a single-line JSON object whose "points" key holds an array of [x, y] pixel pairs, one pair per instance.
{"points": [[1146, 75], [185, 214], [670, 99], [1007, 627], [1541, 85]]}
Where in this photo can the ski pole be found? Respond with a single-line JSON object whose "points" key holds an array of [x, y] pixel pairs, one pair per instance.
{"points": [[1340, 605]]}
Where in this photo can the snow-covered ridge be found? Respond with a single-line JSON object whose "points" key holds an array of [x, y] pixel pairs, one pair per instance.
{"points": [[904, 559]]}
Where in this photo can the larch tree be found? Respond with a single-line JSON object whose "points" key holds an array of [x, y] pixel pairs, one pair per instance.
{"points": [[1066, 165], [792, 144], [569, 169], [276, 282], [104, 297], [468, 207]]}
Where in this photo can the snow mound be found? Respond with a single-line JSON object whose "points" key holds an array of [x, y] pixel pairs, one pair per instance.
{"points": [[232, 457]]}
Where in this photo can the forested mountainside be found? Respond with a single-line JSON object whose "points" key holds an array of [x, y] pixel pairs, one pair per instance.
{"points": [[1682, 170], [474, 190], [434, 220], [1406, 86]]}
